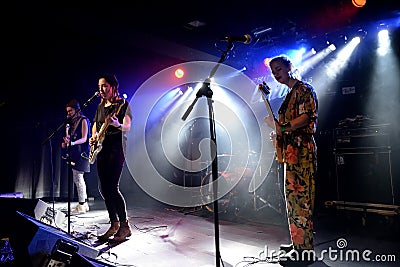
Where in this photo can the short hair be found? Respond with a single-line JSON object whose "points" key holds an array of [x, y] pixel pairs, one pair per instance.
{"points": [[282, 58]]}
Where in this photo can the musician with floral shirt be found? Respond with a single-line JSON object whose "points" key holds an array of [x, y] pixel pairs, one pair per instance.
{"points": [[295, 128]]}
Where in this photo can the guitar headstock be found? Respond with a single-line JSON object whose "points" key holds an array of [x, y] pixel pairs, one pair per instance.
{"points": [[264, 88]]}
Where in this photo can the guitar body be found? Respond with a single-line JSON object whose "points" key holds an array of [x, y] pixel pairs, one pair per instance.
{"points": [[67, 152], [96, 147], [278, 143], [277, 139], [94, 150]]}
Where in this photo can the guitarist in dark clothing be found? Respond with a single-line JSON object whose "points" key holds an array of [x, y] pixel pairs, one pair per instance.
{"points": [[77, 136], [113, 112]]}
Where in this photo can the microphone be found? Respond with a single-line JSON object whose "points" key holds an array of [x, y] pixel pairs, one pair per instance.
{"points": [[244, 39], [96, 94]]}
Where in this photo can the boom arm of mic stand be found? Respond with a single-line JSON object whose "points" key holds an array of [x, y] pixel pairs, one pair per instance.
{"points": [[209, 92], [189, 109]]}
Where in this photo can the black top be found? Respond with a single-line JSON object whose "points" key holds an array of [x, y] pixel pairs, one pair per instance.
{"points": [[113, 135], [79, 153]]}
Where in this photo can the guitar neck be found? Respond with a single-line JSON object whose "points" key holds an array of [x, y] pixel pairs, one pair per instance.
{"points": [[264, 94], [103, 129], [105, 125]]}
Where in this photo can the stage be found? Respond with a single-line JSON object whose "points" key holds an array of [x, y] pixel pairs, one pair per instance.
{"points": [[168, 236]]}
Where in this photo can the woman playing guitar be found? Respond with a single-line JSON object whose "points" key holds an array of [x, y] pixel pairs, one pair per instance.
{"points": [[294, 130], [111, 122]]}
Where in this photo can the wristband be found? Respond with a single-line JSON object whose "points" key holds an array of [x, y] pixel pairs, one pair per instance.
{"points": [[285, 126]]}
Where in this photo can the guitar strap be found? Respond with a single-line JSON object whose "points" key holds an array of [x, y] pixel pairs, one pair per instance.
{"points": [[76, 123], [288, 96]]}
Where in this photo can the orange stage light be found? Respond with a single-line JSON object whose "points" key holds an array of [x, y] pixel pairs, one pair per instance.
{"points": [[179, 73], [359, 3]]}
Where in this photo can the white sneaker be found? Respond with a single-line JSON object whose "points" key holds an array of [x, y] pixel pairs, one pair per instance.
{"points": [[86, 206], [80, 209]]}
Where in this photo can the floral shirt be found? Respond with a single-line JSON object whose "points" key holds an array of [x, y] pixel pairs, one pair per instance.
{"points": [[300, 99]]}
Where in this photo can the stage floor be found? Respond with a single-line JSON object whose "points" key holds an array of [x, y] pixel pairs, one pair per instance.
{"points": [[167, 236]]}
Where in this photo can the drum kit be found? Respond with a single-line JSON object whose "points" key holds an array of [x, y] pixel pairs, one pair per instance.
{"points": [[236, 190]]}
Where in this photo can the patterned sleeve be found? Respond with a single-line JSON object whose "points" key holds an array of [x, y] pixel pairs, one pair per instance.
{"points": [[309, 103]]}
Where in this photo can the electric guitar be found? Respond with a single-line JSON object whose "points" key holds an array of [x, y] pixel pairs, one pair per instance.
{"points": [[66, 150], [277, 142], [96, 147]]}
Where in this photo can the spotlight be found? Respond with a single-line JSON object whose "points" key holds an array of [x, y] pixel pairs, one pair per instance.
{"points": [[332, 47], [313, 51], [266, 61], [383, 42], [179, 73], [359, 3], [361, 33]]}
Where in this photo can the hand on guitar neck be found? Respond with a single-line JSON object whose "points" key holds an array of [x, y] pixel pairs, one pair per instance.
{"points": [[272, 122], [66, 138]]}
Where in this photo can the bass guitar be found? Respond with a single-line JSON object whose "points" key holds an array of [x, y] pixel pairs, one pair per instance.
{"points": [[66, 150], [277, 142], [96, 146]]}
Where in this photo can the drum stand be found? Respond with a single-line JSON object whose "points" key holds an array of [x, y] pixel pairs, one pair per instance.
{"points": [[276, 166]]}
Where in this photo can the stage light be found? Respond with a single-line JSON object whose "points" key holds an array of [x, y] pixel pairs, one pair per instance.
{"points": [[359, 3], [266, 61], [383, 42], [179, 73], [361, 33], [313, 51]]}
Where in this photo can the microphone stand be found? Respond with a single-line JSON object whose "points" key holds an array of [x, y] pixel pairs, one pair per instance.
{"points": [[206, 91], [96, 94]]}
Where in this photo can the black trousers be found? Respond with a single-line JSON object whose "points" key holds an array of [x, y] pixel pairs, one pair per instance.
{"points": [[110, 162]]}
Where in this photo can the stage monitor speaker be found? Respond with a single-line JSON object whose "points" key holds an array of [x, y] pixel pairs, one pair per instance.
{"points": [[365, 176], [33, 241]]}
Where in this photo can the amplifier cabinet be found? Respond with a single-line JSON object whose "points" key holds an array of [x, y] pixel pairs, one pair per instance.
{"points": [[363, 165], [373, 136]]}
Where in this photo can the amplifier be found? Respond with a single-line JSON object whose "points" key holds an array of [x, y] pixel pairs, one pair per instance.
{"points": [[363, 164], [373, 136]]}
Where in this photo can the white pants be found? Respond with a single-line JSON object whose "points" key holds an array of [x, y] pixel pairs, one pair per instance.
{"points": [[80, 184]]}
